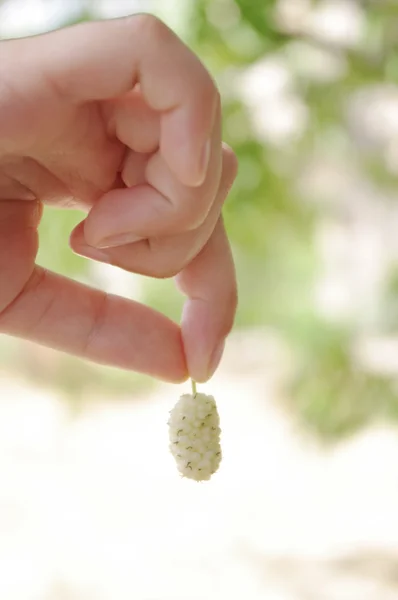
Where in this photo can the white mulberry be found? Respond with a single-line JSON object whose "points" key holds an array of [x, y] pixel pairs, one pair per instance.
{"points": [[194, 433]]}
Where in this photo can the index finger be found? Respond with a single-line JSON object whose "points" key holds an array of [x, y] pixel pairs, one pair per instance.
{"points": [[209, 282], [104, 60]]}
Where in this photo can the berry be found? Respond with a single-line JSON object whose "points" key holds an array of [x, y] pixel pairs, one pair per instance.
{"points": [[194, 434]]}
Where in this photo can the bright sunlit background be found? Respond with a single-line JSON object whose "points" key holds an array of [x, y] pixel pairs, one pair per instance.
{"points": [[304, 506]]}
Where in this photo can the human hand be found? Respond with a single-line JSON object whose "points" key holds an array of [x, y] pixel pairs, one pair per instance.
{"points": [[120, 119]]}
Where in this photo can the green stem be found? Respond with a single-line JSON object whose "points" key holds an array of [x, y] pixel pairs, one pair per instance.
{"points": [[193, 383]]}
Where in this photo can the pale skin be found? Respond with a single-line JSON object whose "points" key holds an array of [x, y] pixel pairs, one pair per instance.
{"points": [[120, 119]]}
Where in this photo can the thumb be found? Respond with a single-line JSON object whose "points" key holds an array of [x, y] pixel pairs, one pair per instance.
{"points": [[63, 314]]}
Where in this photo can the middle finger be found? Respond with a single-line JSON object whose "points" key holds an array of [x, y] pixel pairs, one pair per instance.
{"points": [[162, 256], [162, 206]]}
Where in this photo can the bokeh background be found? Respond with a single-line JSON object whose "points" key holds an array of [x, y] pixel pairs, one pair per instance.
{"points": [[304, 507]]}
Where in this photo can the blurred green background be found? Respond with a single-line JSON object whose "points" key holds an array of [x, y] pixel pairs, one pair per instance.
{"points": [[311, 108]]}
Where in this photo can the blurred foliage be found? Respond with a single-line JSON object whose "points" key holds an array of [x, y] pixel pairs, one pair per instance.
{"points": [[271, 227], [332, 395], [56, 225]]}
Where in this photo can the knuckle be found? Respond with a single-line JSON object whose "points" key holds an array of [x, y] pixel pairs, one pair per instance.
{"points": [[100, 308], [149, 26], [26, 286]]}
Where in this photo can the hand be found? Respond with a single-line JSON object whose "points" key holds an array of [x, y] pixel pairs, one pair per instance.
{"points": [[120, 119]]}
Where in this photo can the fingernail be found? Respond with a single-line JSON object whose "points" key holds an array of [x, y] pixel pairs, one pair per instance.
{"points": [[216, 358], [118, 240], [93, 253], [204, 161]]}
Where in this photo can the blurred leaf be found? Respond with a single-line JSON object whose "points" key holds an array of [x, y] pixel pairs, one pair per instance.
{"points": [[54, 252]]}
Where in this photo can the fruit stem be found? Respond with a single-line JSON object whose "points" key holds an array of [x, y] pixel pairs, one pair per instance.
{"points": [[193, 383]]}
